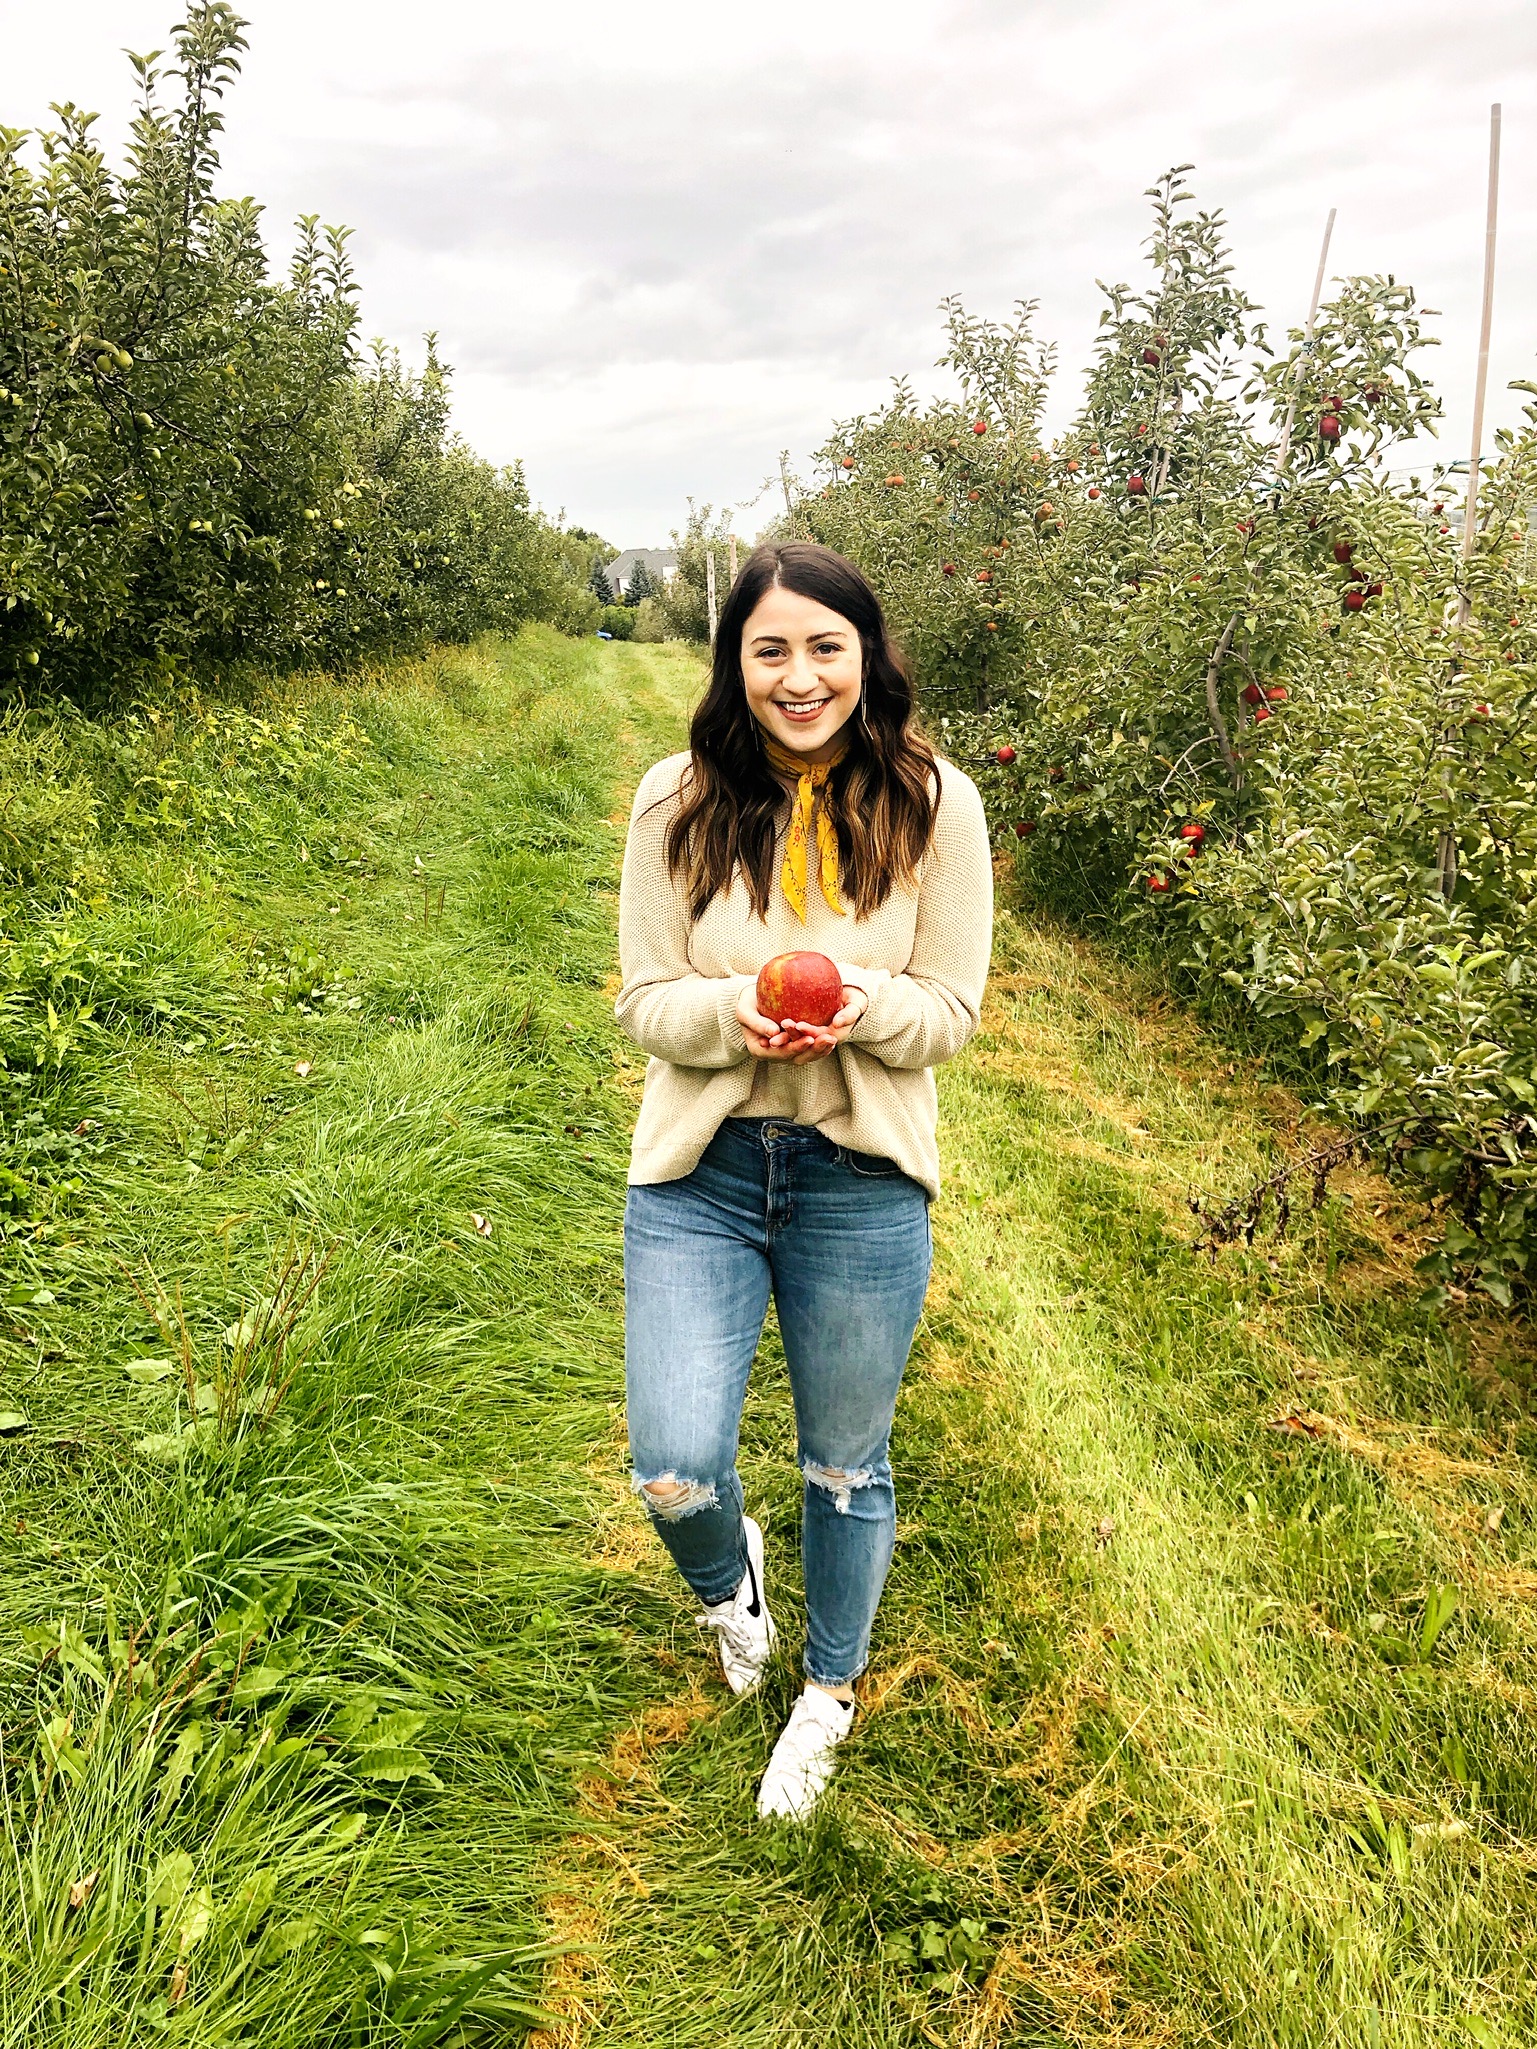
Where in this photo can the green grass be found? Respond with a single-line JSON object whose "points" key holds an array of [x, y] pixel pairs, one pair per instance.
{"points": [[336, 1645]]}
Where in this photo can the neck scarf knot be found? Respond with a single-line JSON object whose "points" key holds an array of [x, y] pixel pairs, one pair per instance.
{"points": [[810, 779]]}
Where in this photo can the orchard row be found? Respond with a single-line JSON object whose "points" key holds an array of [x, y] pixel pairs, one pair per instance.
{"points": [[1220, 678], [198, 465]]}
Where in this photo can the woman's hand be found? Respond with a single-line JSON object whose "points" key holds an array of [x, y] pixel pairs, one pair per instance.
{"points": [[791, 1038]]}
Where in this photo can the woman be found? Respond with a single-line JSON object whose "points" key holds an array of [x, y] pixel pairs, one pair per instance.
{"points": [[773, 1155]]}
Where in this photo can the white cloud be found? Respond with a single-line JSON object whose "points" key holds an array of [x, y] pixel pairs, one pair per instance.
{"points": [[660, 246]]}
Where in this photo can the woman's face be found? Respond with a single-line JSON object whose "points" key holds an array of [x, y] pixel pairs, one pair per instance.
{"points": [[803, 666]]}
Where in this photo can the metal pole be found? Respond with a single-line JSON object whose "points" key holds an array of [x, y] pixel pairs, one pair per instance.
{"points": [[1481, 382], [1446, 839], [709, 590], [1307, 344]]}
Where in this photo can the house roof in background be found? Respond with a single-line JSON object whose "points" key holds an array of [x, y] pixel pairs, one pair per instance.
{"points": [[655, 559]]}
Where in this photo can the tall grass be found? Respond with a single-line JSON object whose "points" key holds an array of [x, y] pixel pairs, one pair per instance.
{"points": [[298, 1637], [348, 1699]]}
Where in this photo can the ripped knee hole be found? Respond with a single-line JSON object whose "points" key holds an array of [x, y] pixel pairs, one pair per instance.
{"points": [[836, 1481], [672, 1498]]}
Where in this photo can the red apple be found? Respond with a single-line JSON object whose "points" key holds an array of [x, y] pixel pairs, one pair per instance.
{"points": [[1277, 694], [848, 462], [1023, 827], [1252, 694], [979, 426], [1354, 600], [984, 576], [1005, 754], [992, 625], [803, 987], [1329, 426], [1135, 486], [1158, 884], [1261, 713], [1152, 358], [1374, 590], [947, 569], [1480, 711], [1093, 491], [1343, 550], [1193, 832]]}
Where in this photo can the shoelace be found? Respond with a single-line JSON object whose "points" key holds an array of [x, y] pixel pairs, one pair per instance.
{"points": [[733, 1621]]}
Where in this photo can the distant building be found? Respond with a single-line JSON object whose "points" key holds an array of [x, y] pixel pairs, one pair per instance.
{"points": [[661, 564]]}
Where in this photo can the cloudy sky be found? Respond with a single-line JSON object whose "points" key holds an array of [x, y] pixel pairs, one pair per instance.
{"points": [[662, 242]]}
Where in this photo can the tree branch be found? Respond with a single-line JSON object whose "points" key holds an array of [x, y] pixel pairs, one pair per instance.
{"points": [[1219, 725]]}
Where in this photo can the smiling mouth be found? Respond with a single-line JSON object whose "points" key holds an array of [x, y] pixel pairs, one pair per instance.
{"points": [[804, 711]]}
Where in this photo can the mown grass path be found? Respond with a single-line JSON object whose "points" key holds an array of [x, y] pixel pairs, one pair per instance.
{"points": [[1183, 1727]]}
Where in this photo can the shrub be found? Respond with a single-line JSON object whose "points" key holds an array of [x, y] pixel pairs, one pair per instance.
{"points": [[650, 620], [196, 465], [1253, 707]]}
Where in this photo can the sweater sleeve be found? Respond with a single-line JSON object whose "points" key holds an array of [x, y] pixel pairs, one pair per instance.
{"points": [[926, 1014], [668, 1009]]}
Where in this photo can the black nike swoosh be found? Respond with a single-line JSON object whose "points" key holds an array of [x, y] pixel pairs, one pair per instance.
{"points": [[753, 1607]]}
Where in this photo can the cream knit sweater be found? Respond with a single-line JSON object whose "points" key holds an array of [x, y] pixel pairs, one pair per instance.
{"points": [[922, 960]]}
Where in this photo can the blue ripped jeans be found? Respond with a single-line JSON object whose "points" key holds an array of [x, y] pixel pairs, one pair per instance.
{"points": [[842, 1240]]}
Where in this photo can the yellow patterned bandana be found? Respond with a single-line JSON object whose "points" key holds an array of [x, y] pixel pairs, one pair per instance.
{"points": [[809, 778]]}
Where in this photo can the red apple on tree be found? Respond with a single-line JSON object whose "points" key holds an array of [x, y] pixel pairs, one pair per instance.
{"points": [[1158, 884], [803, 988], [1329, 426], [1252, 694], [1023, 827], [979, 426], [1354, 600], [848, 462], [1135, 486], [1006, 754], [1093, 491], [1343, 550], [947, 569]]}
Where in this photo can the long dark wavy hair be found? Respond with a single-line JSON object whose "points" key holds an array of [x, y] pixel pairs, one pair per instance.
{"points": [[882, 795]]}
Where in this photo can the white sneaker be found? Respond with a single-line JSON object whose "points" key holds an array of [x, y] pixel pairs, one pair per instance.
{"points": [[802, 1763], [745, 1626]]}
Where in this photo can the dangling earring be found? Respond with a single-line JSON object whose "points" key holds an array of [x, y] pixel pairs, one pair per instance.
{"points": [[862, 719]]}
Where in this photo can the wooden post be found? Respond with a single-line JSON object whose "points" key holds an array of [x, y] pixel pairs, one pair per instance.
{"points": [[709, 590], [733, 558], [1446, 839], [1481, 381], [1284, 450]]}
